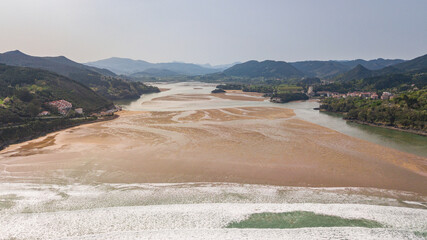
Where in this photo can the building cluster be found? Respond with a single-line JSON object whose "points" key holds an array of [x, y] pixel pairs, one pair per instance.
{"points": [[365, 95], [108, 112], [63, 106], [387, 95]]}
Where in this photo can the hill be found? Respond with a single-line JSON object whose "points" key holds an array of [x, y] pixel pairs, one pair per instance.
{"points": [[102, 81], [24, 92], [418, 64], [122, 66], [374, 64], [154, 72], [265, 69], [126, 66], [333, 68], [321, 69], [60, 65], [359, 72]]}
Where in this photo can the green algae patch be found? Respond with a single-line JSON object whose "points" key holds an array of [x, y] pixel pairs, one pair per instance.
{"points": [[300, 219]]}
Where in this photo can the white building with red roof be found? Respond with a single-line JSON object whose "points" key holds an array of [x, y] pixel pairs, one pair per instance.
{"points": [[62, 106]]}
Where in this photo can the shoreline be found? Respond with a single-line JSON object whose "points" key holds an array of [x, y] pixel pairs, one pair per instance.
{"points": [[417, 132], [205, 142], [44, 134]]}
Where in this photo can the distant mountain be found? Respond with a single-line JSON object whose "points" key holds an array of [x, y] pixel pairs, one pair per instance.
{"points": [[332, 68], [154, 72], [185, 68], [374, 64], [416, 65], [359, 72], [60, 65], [266, 69], [123, 66], [102, 81], [127, 66], [321, 69], [221, 67]]}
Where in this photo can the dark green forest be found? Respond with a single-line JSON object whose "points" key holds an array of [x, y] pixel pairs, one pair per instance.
{"points": [[279, 92], [392, 83], [408, 110]]}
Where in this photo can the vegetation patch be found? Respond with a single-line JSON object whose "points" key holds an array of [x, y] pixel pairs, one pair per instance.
{"points": [[300, 219], [407, 111]]}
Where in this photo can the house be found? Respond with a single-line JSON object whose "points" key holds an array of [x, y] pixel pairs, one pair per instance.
{"points": [[324, 93], [44, 113], [62, 106], [276, 100], [79, 110], [365, 95], [386, 96], [310, 91], [374, 96]]}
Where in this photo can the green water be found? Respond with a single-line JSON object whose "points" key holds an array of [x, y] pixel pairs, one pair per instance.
{"points": [[402, 141], [300, 219]]}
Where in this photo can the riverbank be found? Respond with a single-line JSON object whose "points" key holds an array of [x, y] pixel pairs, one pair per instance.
{"points": [[187, 135], [413, 131], [421, 133], [69, 123], [256, 145]]}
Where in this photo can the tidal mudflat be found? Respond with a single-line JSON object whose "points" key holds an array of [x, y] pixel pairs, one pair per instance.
{"points": [[192, 156]]}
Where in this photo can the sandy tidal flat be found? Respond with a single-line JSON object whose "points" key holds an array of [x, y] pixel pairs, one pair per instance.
{"points": [[258, 145]]}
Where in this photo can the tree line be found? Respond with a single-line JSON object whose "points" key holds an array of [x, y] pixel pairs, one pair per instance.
{"points": [[408, 110]]}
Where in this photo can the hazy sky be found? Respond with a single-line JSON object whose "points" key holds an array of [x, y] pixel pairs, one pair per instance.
{"points": [[216, 32]]}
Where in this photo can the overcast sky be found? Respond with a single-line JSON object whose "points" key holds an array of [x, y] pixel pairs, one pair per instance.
{"points": [[216, 32]]}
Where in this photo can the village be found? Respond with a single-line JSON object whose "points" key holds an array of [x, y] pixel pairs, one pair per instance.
{"points": [[64, 108], [365, 95]]}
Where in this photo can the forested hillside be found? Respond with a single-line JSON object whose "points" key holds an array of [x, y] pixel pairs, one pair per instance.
{"points": [[25, 91], [102, 81]]}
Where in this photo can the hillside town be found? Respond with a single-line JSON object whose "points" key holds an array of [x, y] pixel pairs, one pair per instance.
{"points": [[365, 95], [64, 107]]}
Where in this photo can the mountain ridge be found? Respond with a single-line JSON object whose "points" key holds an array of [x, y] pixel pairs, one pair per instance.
{"points": [[267, 69], [102, 81], [127, 66]]}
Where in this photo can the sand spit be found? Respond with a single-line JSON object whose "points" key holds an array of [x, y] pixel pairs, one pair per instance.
{"points": [[259, 145]]}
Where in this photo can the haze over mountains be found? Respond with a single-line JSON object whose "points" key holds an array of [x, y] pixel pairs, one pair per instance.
{"points": [[101, 75], [126, 66], [321, 69]]}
